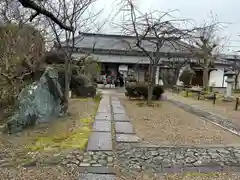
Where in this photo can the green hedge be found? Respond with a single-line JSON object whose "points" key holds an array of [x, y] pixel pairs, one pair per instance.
{"points": [[138, 90]]}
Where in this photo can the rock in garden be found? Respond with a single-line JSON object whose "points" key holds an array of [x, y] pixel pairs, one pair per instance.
{"points": [[38, 102]]}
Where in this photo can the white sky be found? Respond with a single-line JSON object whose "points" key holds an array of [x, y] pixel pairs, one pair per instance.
{"points": [[226, 11]]}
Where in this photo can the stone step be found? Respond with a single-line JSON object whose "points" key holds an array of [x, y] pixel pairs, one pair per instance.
{"points": [[127, 138], [102, 126], [100, 141], [124, 128]]}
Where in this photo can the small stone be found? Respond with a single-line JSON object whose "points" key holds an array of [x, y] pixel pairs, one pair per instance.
{"points": [[109, 159], [70, 156], [97, 165], [84, 164], [136, 167], [86, 160], [93, 162], [166, 160], [223, 151], [179, 156], [95, 157], [56, 155], [154, 153], [138, 155], [79, 157], [190, 160], [144, 157], [158, 159], [110, 165], [214, 155], [197, 163], [109, 153], [103, 162], [103, 156], [74, 161]]}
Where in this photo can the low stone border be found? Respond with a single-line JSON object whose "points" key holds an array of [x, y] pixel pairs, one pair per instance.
{"points": [[183, 159]]}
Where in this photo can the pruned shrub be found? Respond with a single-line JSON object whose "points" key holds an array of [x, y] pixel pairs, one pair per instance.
{"points": [[139, 90]]}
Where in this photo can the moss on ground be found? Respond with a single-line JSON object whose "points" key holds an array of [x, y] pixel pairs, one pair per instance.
{"points": [[76, 139]]}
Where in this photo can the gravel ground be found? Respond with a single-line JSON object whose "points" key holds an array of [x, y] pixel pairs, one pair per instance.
{"points": [[38, 173], [166, 124], [225, 109], [14, 149], [189, 176]]}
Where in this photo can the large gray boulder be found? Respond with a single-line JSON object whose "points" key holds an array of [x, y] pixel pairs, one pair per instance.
{"points": [[39, 102]]}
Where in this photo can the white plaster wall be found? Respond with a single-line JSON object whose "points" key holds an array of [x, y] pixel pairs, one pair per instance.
{"points": [[216, 77], [238, 86], [178, 81]]}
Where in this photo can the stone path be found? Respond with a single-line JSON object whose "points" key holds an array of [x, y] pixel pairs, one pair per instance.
{"points": [[98, 161]]}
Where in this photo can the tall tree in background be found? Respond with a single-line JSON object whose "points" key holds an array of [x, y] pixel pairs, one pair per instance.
{"points": [[153, 32], [207, 46], [174, 66]]}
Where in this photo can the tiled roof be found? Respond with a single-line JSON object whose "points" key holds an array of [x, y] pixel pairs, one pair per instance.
{"points": [[118, 42]]}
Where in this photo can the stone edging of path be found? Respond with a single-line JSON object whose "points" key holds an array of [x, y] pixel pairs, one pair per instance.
{"points": [[178, 159], [215, 119]]}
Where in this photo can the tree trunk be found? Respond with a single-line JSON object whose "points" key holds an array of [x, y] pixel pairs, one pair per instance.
{"points": [[150, 84], [150, 93], [205, 77], [67, 83], [154, 71]]}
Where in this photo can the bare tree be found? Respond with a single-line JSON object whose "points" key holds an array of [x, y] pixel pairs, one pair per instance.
{"points": [[152, 32], [74, 13], [207, 46], [174, 65]]}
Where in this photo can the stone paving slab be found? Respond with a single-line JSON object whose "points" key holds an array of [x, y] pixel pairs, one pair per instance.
{"points": [[115, 98], [104, 109], [100, 141], [115, 101], [118, 111], [103, 116], [117, 106], [124, 128], [127, 138], [121, 117], [91, 176], [102, 126]]}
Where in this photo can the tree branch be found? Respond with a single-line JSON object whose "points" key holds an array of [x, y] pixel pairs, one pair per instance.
{"points": [[39, 10]]}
